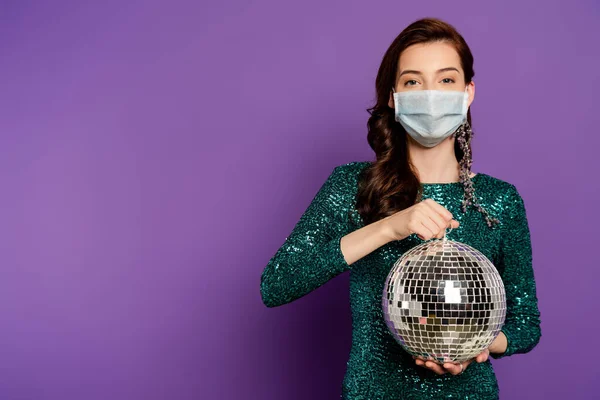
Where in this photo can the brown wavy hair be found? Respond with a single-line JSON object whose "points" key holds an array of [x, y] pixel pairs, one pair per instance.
{"points": [[390, 184]]}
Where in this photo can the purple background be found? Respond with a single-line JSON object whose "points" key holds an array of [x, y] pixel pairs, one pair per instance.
{"points": [[154, 156]]}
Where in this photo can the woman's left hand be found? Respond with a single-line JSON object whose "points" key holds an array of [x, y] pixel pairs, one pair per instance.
{"points": [[451, 367]]}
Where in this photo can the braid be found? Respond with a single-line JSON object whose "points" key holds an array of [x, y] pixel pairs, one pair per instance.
{"points": [[464, 134]]}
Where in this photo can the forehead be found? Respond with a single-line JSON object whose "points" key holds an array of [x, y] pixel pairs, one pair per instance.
{"points": [[429, 57]]}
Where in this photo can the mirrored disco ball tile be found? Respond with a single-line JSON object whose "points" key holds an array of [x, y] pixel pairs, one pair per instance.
{"points": [[444, 300]]}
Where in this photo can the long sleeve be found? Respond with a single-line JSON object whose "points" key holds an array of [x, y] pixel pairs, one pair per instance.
{"points": [[311, 254], [522, 324]]}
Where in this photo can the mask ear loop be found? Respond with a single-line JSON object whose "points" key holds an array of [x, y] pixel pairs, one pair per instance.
{"points": [[394, 95], [466, 102]]}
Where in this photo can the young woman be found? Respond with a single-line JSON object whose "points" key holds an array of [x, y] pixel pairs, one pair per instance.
{"points": [[367, 214]]}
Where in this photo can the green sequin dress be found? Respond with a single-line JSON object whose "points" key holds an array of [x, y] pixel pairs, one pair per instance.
{"points": [[377, 367]]}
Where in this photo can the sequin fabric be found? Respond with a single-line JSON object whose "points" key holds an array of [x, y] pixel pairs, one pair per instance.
{"points": [[377, 367]]}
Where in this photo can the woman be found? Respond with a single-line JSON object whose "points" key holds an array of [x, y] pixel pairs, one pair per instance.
{"points": [[367, 214]]}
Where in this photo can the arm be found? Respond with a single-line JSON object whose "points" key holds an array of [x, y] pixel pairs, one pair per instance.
{"points": [[318, 249], [522, 324], [311, 255]]}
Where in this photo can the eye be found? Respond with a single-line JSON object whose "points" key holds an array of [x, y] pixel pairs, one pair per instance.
{"points": [[448, 80], [411, 82]]}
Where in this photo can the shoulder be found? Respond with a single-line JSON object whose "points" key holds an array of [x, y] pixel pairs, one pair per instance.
{"points": [[497, 185], [343, 179], [353, 168], [348, 174], [353, 165], [493, 181], [501, 193]]}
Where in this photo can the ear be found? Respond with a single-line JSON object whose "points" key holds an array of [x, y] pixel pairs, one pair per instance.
{"points": [[391, 100], [471, 91]]}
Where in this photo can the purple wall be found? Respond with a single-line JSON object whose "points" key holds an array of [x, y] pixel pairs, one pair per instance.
{"points": [[154, 156]]}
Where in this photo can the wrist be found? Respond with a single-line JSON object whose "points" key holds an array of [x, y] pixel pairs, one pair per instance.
{"points": [[385, 230], [499, 345]]}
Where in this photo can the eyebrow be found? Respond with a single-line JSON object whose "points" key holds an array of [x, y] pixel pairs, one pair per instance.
{"points": [[410, 71]]}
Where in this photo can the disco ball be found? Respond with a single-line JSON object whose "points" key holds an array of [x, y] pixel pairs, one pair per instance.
{"points": [[444, 300]]}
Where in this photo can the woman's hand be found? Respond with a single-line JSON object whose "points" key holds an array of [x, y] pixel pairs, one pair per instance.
{"points": [[451, 367], [428, 219]]}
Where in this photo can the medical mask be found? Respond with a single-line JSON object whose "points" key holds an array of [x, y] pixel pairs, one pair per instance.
{"points": [[430, 116]]}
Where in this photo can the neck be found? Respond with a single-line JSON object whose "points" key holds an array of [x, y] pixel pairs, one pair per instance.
{"points": [[434, 164]]}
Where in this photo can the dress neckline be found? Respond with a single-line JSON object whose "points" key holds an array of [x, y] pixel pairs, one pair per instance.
{"points": [[474, 179]]}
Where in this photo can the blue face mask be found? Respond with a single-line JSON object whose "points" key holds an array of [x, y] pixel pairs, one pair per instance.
{"points": [[430, 116]]}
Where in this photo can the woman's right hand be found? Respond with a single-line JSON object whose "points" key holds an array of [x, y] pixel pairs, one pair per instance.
{"points": [[427, 219]]}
